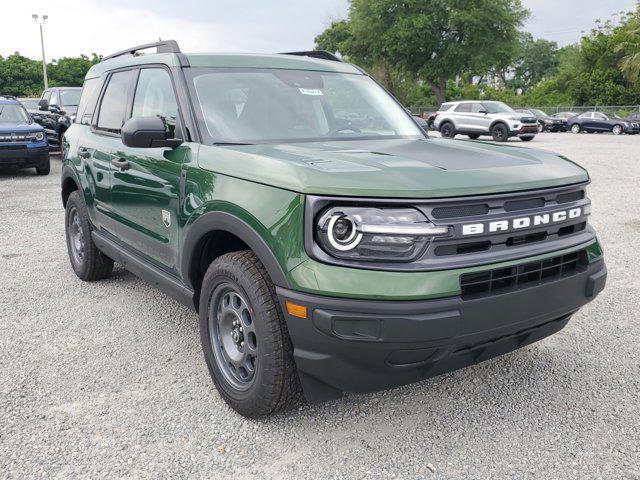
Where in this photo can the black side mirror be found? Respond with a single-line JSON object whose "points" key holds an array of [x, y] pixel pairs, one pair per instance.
{"points": [[43, 104], [147, 132], [484, 112]]}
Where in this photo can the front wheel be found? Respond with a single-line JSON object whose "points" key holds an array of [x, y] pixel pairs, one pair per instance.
{"points": [[575, 128], [617, 129], [245, 338], [44, 169], [500, 133]]}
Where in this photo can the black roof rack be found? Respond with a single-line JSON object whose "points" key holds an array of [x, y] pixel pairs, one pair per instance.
{"points": [[164, 46], [321, 54]]}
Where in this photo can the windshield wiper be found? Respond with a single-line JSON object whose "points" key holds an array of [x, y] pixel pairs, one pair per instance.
{"points": [[231, 143]]}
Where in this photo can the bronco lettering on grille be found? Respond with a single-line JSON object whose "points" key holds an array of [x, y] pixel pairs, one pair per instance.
{"points": [[521, 222]]}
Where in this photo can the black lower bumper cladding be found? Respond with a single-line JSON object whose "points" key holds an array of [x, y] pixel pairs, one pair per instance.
{"points": [[361, 346], [23, 157]]}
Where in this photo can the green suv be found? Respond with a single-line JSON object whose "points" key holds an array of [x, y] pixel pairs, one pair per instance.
{"points": [[327, 244]]}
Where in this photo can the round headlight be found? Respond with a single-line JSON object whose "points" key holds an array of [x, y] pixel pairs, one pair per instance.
{"points": [[342, 232], [39, 136]]}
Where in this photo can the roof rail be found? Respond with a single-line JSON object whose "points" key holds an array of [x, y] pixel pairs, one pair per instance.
{"points": [[164, 46], [321, 54]]}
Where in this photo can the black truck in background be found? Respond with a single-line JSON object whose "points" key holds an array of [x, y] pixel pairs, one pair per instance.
{"points": [[56, 112]]}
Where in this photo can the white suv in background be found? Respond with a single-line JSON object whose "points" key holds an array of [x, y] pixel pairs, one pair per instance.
{"points": [[475, 118]]}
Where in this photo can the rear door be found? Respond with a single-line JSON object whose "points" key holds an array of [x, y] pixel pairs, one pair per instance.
{"points": [[463, 118], [145, 193]]}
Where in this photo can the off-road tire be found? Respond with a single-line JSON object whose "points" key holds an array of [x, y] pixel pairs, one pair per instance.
{"points": [[44, 170], [500, 133], [447, 130], [275, 386], [94, 265]]}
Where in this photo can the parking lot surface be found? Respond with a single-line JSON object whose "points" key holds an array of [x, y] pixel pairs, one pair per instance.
{"points": [[108, 378]]}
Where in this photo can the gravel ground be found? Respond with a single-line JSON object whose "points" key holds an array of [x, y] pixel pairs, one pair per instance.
{"points": [[107, 379]]}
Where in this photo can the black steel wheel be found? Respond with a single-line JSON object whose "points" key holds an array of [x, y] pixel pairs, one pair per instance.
{"points": [[244, 337], [447, 130], [500, 133]]}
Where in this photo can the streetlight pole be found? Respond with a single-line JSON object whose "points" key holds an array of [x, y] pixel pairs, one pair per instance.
{"points": [[40, 21]]}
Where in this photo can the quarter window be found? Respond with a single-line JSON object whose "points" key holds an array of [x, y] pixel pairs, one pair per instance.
{"points": [[155, 97], [114, 102], [88, 100]]}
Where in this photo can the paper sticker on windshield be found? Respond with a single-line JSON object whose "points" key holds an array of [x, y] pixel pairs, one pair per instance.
{"points": [[310, 91]]}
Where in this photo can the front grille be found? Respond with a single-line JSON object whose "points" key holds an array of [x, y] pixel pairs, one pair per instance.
{"points": [[502, 280], [570, 197], [460, 211], [526, 204]]}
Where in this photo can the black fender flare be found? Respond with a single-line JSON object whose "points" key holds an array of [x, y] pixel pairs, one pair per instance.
{"points": [[69, 173], [227, 222]]}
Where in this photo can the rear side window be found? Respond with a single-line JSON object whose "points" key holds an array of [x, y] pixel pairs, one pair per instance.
{"points": [[463, 107], [88, 100], [155, 97], [114, 102]]}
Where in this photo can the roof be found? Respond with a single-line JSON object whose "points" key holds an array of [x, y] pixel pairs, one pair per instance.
{"points": [[8, 101], [226, 60]]}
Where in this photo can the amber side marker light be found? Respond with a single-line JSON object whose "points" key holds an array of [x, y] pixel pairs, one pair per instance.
{"points": [[296, 310]]}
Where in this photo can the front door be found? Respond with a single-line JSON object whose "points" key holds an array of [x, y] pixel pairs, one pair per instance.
{"points": [[145, 183]]}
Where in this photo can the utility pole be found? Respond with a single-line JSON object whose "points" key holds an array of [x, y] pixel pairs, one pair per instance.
{"points": [[40, 21]]}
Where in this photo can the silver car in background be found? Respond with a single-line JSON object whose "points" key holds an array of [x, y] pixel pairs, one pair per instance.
{"points": [[476, 118]]}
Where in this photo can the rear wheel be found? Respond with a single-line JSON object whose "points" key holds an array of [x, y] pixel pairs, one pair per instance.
{"points": [[575, 128], [87, 261], [447, 130], [617, 129], [500, 133], [245, 338], [540, 127]]}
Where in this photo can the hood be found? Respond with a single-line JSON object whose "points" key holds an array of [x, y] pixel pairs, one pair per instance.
{"points": [[20, 127], [403, 168]]}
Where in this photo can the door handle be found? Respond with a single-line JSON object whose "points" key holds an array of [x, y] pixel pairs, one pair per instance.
{"points": [[84, 153], [121, 163]]}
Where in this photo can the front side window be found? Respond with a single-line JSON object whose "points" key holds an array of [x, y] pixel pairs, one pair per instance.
{"points": [[70, 98], [586, 115], [54, 99], [599, 116], [155, 97], [114, 102], [273, 105], [13, 113]]}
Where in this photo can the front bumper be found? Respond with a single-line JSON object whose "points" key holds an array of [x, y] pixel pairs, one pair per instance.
{"points": [[348, 345], [24, 156], [527, 130]]}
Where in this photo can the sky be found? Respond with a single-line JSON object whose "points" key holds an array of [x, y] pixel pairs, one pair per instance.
{"points": [[106, 26]]}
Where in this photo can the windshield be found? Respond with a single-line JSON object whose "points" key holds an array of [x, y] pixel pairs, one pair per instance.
{"points": [[498, 107], [70, 98], [273, 105], [539, 113], [13, 113]]}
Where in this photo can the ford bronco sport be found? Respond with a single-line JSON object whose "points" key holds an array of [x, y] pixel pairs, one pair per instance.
{"points": [[23, 143], [327, 244]]}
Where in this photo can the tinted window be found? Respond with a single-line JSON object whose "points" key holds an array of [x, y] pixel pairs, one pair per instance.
{"points": [[155, 97], [88, 100], [463, 107], [114, 102]]}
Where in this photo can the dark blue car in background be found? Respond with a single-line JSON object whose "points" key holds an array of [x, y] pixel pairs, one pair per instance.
{"points": [[23, 142]]}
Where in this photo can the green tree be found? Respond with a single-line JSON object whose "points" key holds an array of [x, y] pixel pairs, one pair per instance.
{"points": [[537, 60], [432, 41], [70, 71]]}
